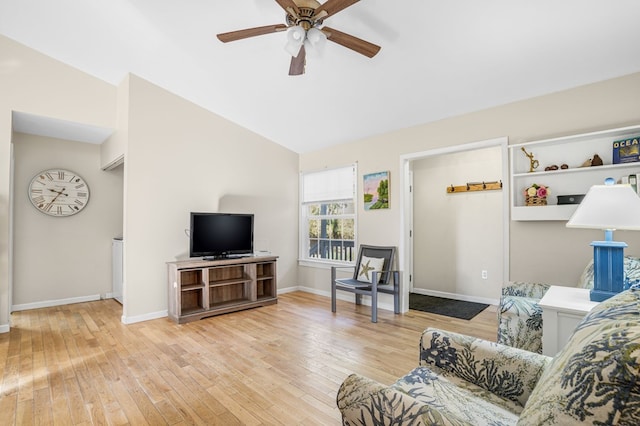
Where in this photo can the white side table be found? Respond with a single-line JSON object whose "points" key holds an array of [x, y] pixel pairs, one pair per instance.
{"points": [[562, 309]]}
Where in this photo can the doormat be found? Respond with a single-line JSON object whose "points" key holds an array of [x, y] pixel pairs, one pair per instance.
{"points": [[442, 306]]}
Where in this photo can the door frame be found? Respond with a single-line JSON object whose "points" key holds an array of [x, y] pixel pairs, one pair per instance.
{"points": [[405, 252]]}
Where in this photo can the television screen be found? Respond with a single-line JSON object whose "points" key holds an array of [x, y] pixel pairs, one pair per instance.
{"points": [[221, 234]]}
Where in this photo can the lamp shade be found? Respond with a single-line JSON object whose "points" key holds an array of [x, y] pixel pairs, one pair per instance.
{"points": [[608, 207]]}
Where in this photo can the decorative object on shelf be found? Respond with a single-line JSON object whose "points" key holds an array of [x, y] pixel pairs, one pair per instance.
{"points": [[58, 192], [595, 161], [376, 191], [608, 207], [555, 167], [587, 163], [570, 199], [533, 164], [536, 195], [626, 150], [633, 181], [475, 186]]}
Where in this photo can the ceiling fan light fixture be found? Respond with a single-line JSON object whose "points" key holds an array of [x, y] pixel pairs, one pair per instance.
{"points": [[316, 39], [296, 36]]}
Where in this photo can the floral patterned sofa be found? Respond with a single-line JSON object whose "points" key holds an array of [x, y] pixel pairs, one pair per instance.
{"points": [[520, 317], [594, 379]]}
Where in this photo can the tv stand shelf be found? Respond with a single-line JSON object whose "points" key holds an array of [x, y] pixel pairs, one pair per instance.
{"points": [[204, 288]]}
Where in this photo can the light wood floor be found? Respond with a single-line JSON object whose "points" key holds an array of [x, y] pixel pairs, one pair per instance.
{"points": [[280, 364]]}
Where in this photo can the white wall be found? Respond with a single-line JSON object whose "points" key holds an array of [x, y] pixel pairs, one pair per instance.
{"points": [[59, 258], [182, 158], [458, 235]]}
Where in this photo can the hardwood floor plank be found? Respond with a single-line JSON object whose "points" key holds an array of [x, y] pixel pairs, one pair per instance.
{"points": [[8, 408], [279, 364]]}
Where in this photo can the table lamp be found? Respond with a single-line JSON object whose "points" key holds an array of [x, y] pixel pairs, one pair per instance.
{"points": [[608, 207]]}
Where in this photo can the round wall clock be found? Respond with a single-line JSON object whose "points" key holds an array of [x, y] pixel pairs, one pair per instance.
{"points": [[58, 192]]}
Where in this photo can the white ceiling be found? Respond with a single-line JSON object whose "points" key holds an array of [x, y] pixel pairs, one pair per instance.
{"points": [[438, 59]]}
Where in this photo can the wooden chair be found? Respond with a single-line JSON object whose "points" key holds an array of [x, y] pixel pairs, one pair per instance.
{"points": [[372, 273]]}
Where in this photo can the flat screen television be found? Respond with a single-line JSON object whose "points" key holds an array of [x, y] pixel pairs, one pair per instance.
{"points": [[219, 235]]}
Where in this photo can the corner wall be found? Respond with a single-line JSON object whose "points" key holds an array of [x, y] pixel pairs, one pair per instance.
{"points": [[34, 83], [182, 158], [539, 251]]}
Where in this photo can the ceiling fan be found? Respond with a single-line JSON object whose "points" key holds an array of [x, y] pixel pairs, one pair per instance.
{"points": [[305, 30]]}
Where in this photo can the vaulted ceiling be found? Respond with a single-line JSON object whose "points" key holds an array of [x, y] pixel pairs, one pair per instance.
{"points": [[438, 58]]}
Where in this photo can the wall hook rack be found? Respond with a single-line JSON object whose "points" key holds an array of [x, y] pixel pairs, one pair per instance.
{"points": [[475, 186]]}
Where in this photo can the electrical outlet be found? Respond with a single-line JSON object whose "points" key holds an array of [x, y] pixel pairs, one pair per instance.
{"points": [[484, 274]]}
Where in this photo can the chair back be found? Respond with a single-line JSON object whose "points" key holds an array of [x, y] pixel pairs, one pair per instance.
{"points": [[386, 253]]}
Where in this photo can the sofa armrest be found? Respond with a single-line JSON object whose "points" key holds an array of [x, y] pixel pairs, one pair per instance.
{"points": [[525, 289], [520, 323], [508, 372], [362, 401]]}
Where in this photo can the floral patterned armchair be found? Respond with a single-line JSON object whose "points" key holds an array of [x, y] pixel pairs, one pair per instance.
{"points": [[461, 380], [520, 317]]}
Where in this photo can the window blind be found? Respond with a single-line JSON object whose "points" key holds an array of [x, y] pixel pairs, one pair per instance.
{"points": [[329, 185]]}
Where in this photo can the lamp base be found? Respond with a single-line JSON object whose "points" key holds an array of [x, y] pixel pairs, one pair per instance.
{"points": [[608, 269]]}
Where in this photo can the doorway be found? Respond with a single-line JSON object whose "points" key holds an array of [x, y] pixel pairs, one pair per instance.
{"points": [[455, 245]]}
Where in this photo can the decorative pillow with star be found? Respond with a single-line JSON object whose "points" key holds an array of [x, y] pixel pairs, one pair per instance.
{"points": [[367, 265]]}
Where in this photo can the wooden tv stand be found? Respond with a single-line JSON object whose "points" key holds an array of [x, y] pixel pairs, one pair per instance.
{"points": [[203, 288]]}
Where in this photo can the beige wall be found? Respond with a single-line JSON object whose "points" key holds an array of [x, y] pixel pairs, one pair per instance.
{"points": [[457, 236], [182, 158], [33, 83], [63, 258], [178, 158], [539, 251]]}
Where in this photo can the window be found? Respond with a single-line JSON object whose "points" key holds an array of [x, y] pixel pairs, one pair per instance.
{"points": [[327, 215]]}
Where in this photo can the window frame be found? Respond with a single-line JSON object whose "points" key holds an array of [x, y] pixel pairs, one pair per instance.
{"points": [[304, 218]]}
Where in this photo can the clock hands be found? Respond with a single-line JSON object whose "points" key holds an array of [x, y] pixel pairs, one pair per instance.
{"points": [[59, 194]]}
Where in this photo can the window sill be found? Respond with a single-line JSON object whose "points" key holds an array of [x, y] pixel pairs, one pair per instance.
{"points": [[323, 264]]}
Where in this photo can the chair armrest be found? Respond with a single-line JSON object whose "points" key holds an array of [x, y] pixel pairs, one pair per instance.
{"points": [[508, 372], [363, 401], [520, 323], [336, 269], [525, 289]]}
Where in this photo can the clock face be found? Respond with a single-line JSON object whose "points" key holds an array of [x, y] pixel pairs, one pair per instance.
{"points": [[58, 192]]}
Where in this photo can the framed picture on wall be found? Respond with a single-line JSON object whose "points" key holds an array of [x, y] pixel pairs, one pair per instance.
{"points": [[376, 191]]}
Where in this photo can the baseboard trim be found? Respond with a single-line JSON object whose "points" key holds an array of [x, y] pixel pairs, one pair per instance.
{"points": [[145, 317], [456, 296], [58, 302], [4, 328]]}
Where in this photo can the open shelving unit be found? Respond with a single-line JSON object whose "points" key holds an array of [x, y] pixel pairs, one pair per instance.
{"points": [[204, 288], [572, 150]]}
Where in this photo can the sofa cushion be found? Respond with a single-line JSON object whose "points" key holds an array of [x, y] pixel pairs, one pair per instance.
{"points": [[593, 379], [458, 399]]}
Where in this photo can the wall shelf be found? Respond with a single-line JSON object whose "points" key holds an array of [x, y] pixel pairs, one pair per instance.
{"points": [[572, 150]]}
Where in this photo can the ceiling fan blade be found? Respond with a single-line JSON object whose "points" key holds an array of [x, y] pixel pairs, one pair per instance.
{"points": [[297, 63], [331, 7], [351, 42], [250, 32], [288, 4]]}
